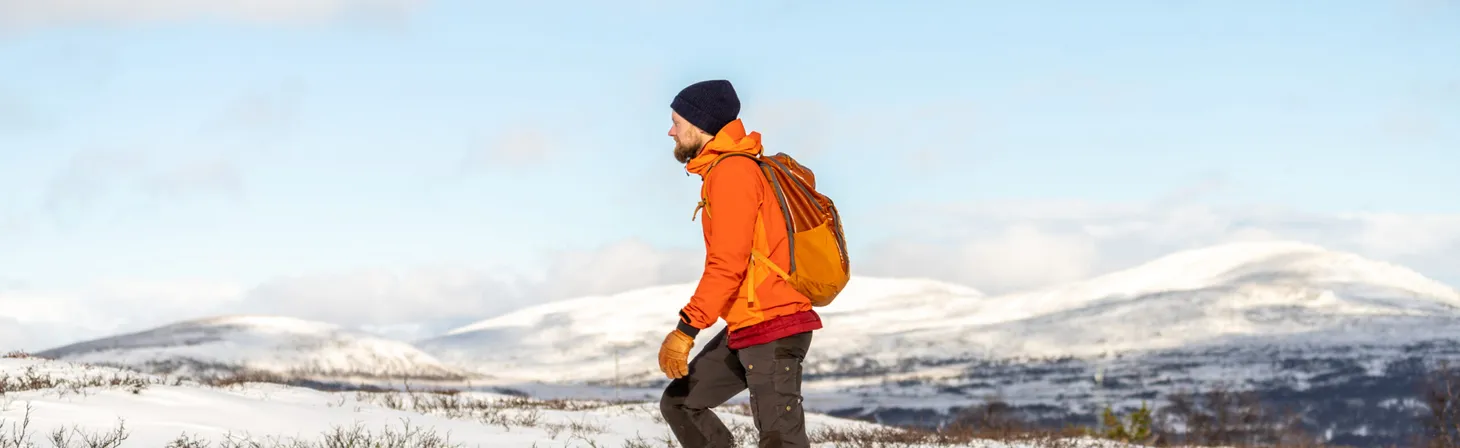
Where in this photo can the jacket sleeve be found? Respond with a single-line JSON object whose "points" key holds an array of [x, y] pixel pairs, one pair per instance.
{"points": [[734, 194]]}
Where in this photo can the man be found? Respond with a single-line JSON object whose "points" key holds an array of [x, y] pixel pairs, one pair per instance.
{"points": [[768, 329]]}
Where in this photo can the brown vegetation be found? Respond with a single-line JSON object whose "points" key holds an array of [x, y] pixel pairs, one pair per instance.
{"points": [[1225, 417], [19, 435], [1441, 394]]}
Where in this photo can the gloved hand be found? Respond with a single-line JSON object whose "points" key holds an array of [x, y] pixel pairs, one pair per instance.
{"points": [[674, 354]]}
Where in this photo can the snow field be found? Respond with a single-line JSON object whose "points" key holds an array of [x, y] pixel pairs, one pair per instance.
{"points": [[90, 406]]}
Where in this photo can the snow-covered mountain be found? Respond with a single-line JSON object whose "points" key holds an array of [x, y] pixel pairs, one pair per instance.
{"points": [[269, 344], [595, 338], [1257, 293], [1262, 315], [1263, 293]]}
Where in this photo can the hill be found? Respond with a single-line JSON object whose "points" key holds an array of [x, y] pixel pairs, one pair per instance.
{"points": [[591, 338], [230, 345], [1315, 328]]}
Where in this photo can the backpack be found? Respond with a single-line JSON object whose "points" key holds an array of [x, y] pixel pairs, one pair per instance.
{"points": [[819, 266]]}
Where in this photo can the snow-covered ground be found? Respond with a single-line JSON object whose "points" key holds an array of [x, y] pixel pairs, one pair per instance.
{"points": [[269, 344], [41, 397]]}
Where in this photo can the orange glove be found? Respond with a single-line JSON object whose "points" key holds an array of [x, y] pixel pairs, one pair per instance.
{"points": [[674, 354]]}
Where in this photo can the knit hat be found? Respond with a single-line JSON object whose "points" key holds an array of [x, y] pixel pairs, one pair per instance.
{"points": [[709, 105]]}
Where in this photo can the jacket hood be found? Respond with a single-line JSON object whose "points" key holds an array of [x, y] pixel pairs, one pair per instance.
{"points": [[731, 139]]}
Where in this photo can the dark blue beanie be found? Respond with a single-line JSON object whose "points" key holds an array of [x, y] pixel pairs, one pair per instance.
{"points": [[709, 105]]}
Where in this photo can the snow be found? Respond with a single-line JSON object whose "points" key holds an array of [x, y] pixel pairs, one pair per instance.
{"points": [[585, 338], [166, 409], [1233, 292], [1244, 294], [272, 344]]}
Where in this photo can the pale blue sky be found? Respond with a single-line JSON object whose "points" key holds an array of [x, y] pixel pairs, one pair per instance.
{"points": [[245, 151]]}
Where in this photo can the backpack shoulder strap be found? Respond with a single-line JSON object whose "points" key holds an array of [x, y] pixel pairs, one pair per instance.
{"points": [[704, 199], [722, 157]]}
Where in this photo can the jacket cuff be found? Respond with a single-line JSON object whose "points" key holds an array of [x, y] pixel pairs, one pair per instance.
{"points": [[685, 327]]}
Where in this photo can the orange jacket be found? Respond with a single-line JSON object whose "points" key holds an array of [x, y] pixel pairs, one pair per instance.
{"points": [[740, 212]]}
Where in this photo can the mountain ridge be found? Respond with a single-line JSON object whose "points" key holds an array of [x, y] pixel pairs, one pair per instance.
{"points": [[252, 343], [1208, 295]]}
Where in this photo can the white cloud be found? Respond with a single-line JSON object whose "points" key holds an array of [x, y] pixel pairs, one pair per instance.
{"points": [[618, 267], [16, 14], [269, 110], [412, 303], [383, 297], [92, 175], [993, 247], [1005, 247], [35, 319], [416, 302], [519, 146], [1023, 256], [800, 128], [15, 114], [405, 303]]}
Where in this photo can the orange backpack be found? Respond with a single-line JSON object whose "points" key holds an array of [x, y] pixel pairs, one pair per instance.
{"points": [[819, 266]]}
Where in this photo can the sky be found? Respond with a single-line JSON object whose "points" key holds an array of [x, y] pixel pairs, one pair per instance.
{"points": [[406, 166]]}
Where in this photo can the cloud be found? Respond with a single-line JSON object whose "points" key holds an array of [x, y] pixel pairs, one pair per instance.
{"points": [[94, 177], [12, 225], [1420, 115], [1428, 9], [423, 301], [917, 135], [271, 110], [35, 319], [516, 147], [617, 267], [24, 14], [195, 176], [1007, 247], [90, 176], [405, 303], [15, 115], [381, 297], [797, 127]]}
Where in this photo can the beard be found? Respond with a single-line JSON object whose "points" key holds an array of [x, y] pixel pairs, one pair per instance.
{"points": [[684, 152]]}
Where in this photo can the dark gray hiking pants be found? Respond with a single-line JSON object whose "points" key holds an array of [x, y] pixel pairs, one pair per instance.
{"points": [[772, 372]]}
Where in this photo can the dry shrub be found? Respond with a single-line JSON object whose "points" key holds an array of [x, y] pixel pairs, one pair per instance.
{"points": [[1441, 393], [992, 420], [996, 419], [885, 437], [19, 435], [337, 437], [32, 380], [243, 377], [1222, 416]]}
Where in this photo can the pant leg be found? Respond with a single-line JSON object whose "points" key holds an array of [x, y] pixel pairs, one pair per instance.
{"points": [[715, 376], [773, 374]]}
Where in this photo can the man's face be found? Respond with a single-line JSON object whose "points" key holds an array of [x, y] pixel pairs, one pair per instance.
{"points": [[687, 139]]}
